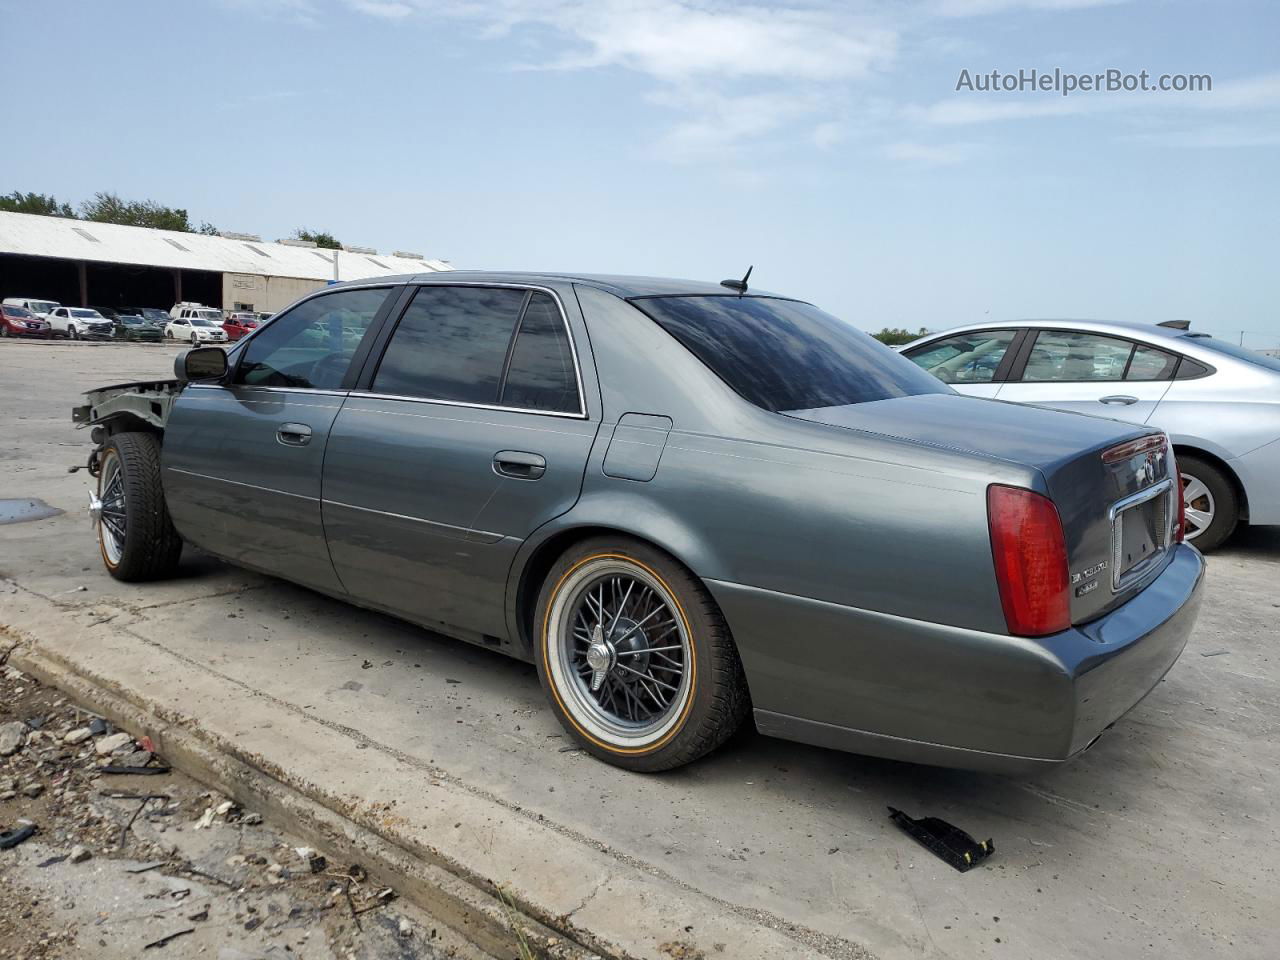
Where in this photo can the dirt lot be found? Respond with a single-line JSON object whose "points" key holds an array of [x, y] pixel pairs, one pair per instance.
{"points": [[120, 863], [1157, 843]]}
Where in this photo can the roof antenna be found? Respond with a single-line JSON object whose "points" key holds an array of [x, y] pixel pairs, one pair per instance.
{"points": [[739, 285]]}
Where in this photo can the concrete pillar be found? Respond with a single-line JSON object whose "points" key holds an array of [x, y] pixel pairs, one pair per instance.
{"points": [[84, 283], [177, 285]]}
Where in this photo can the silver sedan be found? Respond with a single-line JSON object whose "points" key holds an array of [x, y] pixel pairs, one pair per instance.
{"points": [[1219, 403]]}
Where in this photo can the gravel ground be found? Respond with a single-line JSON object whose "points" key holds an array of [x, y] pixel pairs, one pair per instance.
{"points": [[110, 873]]}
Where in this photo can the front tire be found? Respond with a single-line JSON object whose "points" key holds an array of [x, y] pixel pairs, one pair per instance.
{"points": [[72, 334], [135, 535], [635, 656], [1213, 507]]}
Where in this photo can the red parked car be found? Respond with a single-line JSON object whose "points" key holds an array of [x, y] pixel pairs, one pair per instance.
{"points": [[238, 324], [21, 322]]}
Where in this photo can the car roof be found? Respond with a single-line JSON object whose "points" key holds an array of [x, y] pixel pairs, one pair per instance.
{"points": [[1121, 328], [1188, 342], [617, 284]]}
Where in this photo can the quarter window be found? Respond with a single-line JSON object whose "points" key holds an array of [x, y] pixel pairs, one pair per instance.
{"points": [[451, 344], [311, 346], [1060, 355], [965, 358], [540, 375]]}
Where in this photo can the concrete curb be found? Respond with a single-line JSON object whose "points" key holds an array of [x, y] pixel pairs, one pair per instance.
{"points": [[477, 914], [459, 853]]}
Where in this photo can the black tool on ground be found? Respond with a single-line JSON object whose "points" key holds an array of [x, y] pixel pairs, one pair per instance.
{"points": [[139, 771], [945, 841], [11, 838]]}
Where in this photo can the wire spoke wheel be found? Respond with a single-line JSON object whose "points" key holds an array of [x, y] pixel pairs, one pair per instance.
{"points": [[110, 510], [622, 653]]}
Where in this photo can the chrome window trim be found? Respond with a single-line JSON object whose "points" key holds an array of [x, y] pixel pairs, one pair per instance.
{"points": [[309, 391], [1119, 582], [580, 414], [470, 406]]}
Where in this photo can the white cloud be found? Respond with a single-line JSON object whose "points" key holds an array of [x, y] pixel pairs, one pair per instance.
{"points": [[799, 71], [1215, 137], [390, 9], [978, 8], [929, 154]]}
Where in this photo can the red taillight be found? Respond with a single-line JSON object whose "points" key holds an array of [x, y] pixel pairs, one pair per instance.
{"points": [[1030, 555], [1180, 527]]}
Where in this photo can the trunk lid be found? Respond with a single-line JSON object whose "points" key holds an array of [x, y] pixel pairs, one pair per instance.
{"points": [[1117, 513]]}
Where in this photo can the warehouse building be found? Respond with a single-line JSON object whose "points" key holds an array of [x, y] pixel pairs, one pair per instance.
{"points": [[79, 262]]}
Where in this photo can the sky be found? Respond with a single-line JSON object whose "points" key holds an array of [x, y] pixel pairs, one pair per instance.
{"points": [[825, 143]]}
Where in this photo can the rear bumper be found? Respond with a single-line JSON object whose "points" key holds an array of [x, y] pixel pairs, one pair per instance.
{"points": [[889, 686]]}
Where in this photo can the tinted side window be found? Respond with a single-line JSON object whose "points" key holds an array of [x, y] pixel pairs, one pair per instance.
{"points": [[541, 375], [312, 344], [451, 344], [1060, 355], [1148, 363], [965, 358]]}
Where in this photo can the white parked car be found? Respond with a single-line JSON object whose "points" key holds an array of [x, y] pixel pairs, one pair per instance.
{"points": [[41, 308], [190, 311], [80, 323], [196, 330], [1219, 403]]}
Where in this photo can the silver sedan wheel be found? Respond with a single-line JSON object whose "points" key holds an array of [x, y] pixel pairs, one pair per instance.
{"points": [[621, 655], [109, 510], [1200, 508]]}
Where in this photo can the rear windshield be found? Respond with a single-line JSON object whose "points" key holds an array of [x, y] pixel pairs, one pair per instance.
{"points": [[1231, 350], [783, 355]]}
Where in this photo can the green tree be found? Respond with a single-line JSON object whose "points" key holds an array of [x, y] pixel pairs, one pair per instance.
{"points": [[893, 336], [19, 202], [321, 238], [208, 229], [109, 208]]}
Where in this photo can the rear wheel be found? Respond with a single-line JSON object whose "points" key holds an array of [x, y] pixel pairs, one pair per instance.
{"points": [[636, 657], [1213, 507], [136, 536]]}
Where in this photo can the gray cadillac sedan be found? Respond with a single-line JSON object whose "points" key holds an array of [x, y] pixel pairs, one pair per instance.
{"points": [[684, 502]]}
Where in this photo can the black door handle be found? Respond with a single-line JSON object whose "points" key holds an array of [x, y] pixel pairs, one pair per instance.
{"points": [[294, 434], [519, 465]]}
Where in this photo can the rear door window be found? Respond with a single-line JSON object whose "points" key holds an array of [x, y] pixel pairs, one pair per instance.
{"points": [[451, 344], [311, 346], [1067, 356], [1149, 363]]}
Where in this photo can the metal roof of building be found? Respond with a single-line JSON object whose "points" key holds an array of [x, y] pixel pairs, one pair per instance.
{"points": [[37, 236]]}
